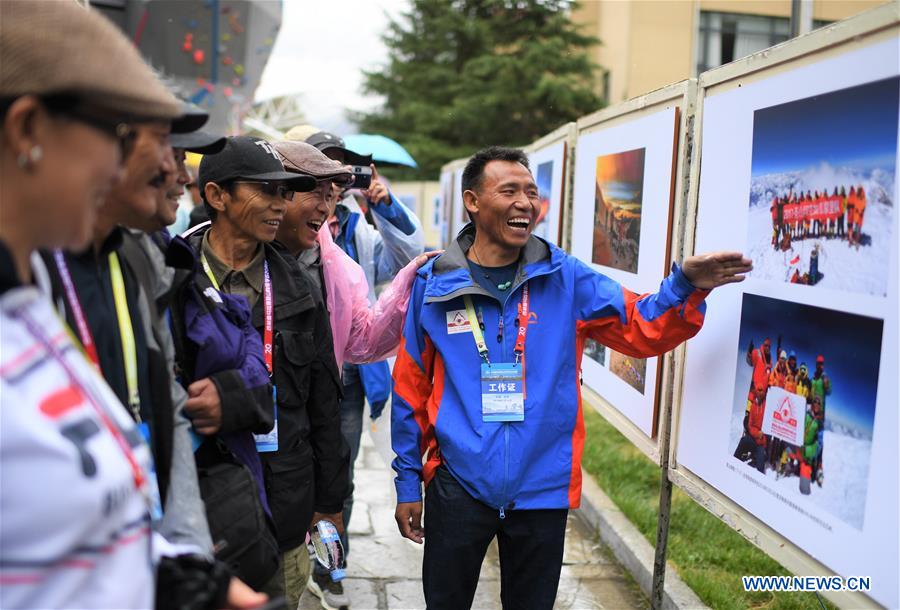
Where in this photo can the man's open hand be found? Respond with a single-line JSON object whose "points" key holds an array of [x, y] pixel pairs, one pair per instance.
{"points": [[708, 271], [409, 520]]}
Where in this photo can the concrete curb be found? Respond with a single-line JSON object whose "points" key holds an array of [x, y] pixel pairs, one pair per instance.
{"points": [[630, 547]]}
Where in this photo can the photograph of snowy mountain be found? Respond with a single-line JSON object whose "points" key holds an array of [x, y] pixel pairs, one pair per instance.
{"points": [[822, 189], [829, 361]]}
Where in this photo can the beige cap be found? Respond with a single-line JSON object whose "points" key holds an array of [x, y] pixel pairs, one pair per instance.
{"points": [[300, 133], [307, 159], [57, 46]]}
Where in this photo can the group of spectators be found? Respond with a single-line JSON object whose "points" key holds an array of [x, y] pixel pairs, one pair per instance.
{"points": [[798, 216], [179, 411], [765, 451], [234, 355]]}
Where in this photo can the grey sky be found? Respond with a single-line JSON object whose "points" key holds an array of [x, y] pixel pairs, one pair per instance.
{"points": [[320, 53]]}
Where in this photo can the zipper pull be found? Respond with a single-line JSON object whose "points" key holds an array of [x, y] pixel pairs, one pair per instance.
{"points": [[500, 329], [502, 513]]}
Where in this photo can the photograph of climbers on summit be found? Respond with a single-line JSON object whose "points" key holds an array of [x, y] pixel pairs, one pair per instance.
{"points": [[803, 409], [822, 189]]}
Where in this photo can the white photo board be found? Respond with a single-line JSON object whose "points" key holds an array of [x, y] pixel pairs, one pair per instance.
{"points": [[623, 192], [799, 167], [548, 166], [458, 216]]}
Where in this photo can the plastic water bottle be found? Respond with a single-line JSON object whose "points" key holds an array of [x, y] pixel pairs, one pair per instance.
{"points": [[329, 550]]}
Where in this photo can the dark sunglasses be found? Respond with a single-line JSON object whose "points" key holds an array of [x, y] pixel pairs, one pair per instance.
{"points": [[272, 189]]}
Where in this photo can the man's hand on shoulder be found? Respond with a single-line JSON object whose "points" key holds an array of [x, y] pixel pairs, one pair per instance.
{"points": [[409, 520], [708, 271]]}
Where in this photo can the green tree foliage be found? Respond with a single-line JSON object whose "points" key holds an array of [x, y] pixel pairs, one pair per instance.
{"points": [[464, 74]]}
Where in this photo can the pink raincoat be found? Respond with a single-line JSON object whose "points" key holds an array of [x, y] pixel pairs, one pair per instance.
{"points": [[362, 332]]}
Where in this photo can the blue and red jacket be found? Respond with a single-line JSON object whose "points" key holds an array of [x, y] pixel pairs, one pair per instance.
{"points": [[436, 411]]}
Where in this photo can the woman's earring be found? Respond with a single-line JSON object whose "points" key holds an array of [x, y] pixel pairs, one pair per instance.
{"points": [[33, 156]]}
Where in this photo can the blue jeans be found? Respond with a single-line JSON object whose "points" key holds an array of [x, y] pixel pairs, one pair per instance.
{"points": [[352, 406]]}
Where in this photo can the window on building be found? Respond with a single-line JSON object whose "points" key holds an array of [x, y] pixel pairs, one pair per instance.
{"points": [[725, 37]]}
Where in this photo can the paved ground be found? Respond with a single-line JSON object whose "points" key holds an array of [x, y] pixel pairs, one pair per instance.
{"points": [[384, 570]]}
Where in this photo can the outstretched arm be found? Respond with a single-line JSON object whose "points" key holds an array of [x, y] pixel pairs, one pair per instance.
{"points": [[651, 324]]}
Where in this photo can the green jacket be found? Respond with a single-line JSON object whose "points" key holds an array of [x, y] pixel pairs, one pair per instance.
{"points": [[821, 387], [811, 437]]}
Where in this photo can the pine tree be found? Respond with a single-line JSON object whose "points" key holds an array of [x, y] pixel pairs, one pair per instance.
{"points": [[464, 74]]}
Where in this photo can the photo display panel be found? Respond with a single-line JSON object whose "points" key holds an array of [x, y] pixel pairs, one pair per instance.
{"points": [[621, 225], [548, 166], [790, 395]]}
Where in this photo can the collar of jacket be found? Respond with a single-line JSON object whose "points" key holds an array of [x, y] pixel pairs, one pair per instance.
{"points": [[450, 276], [111, 243], [292, 291]]}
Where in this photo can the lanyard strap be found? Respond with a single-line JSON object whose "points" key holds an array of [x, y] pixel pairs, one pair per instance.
{"points": [[84, 331], [476, 329], [208, 271], [126, 332], [475, 326], [268, 307], [137, 472], [523, 324], [269, 311]]}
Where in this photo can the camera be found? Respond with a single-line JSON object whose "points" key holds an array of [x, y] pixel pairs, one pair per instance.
{"points": [[362, 176]]}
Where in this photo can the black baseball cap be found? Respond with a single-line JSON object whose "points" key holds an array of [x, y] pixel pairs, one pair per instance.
{"points": [[325, 140], [192, 118], [186, 132], [249, 158], [201, 142]]}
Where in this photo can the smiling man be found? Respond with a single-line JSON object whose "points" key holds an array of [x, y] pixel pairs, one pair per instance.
{"points": [[305, 459], [487, 401]]}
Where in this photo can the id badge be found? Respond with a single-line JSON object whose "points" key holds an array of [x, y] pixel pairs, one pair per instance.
{"points": [[501, 392], [268, 442]]}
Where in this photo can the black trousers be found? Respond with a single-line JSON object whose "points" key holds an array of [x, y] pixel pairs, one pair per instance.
{"points": [[458, 530], [757, 453]]}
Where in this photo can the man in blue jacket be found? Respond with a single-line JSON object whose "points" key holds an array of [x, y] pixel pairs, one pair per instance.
{"points": [[487, 401]]}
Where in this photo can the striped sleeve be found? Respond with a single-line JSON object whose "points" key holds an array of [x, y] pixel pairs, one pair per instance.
{"points": [[643, 325]]}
